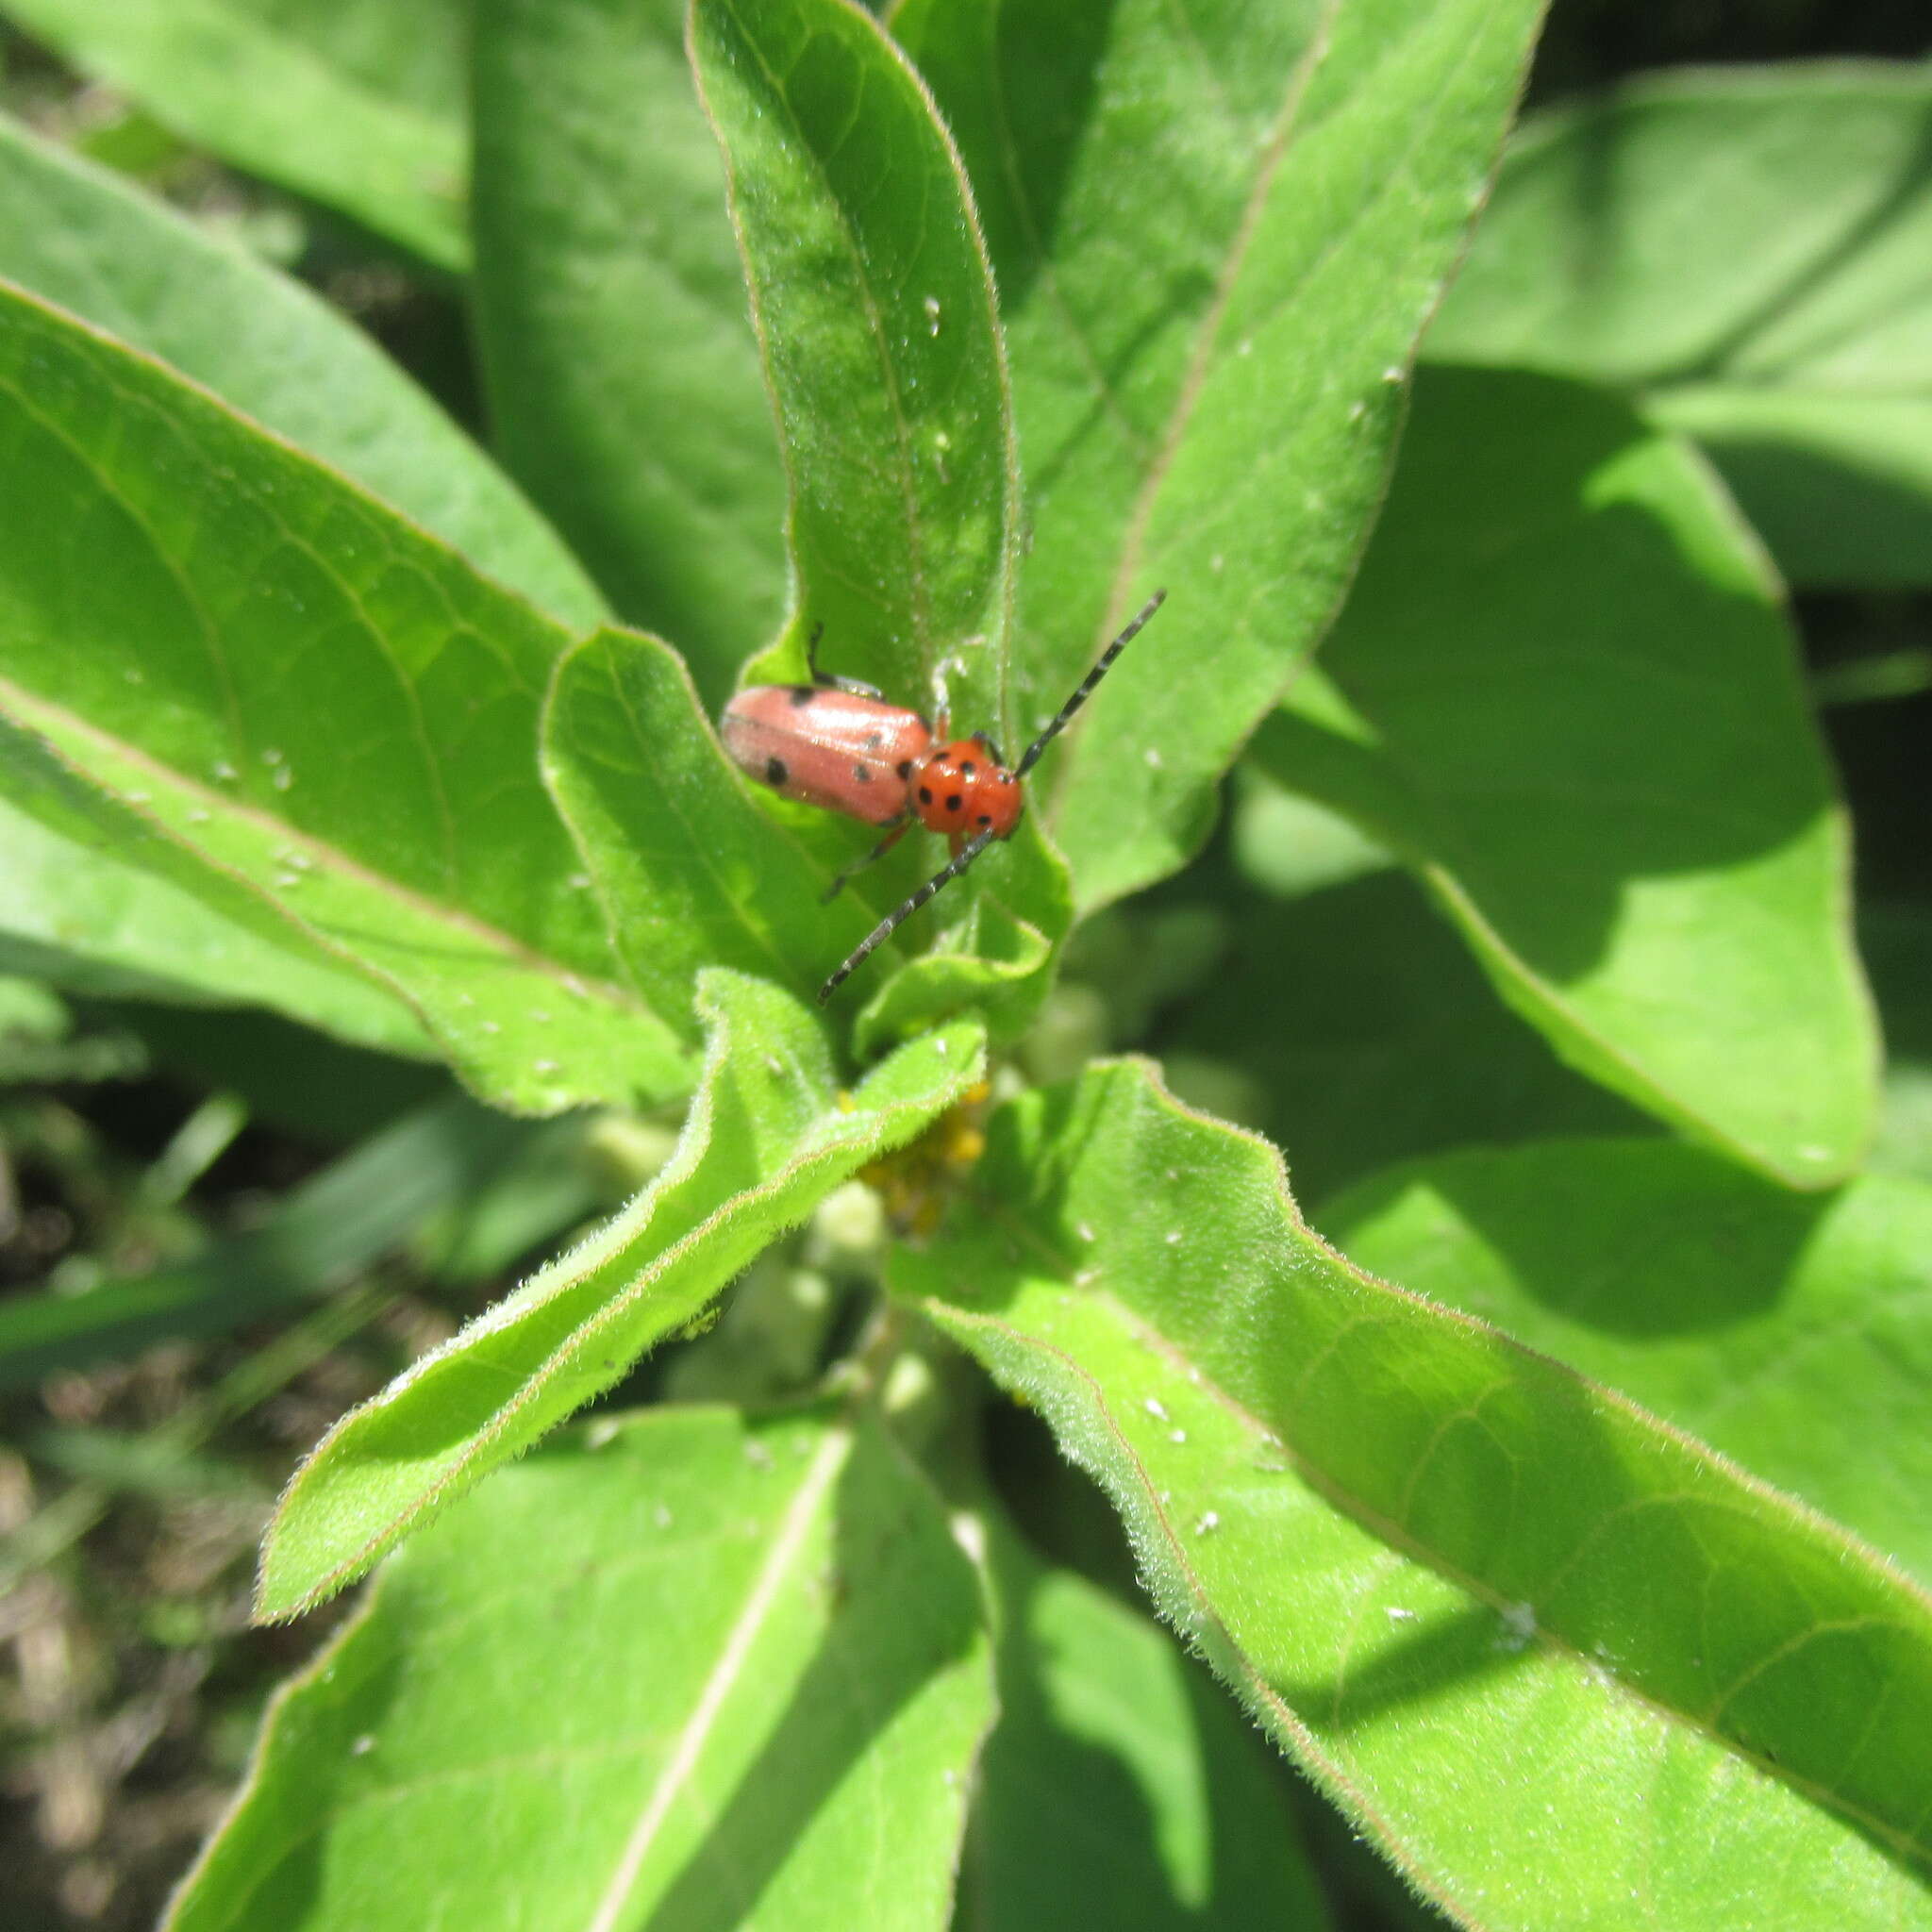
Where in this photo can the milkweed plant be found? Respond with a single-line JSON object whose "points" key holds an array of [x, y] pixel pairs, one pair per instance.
{"points": [[1396, 1118]]}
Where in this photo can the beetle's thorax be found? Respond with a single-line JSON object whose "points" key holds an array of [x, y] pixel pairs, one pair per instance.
{"points": [[961, 789]]}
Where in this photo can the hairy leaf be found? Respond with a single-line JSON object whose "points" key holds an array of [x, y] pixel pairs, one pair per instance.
{"points": [[1549, 1652], [768, 1137]]}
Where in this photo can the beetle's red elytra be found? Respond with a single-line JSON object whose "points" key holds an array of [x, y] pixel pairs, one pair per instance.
{"points": [[837, 744]]}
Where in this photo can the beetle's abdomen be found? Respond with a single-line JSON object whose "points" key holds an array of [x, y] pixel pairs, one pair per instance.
{"points": [[830, 748]]}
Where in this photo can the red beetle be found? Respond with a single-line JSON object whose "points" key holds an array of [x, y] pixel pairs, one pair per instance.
{"points": [[836, 743]]}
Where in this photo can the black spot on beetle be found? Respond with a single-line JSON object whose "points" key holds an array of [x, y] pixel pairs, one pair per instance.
{"points": [[775, 772], [966, 769], [925, 794], [954, 801], [802, 694], [904, 768], [985, 818], [874, 739], [862, 774]]}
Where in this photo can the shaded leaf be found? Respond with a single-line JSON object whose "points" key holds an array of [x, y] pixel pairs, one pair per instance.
{"points": [[622, 370], [735, 1675], [1217, 236], [1548, 1652], [1371, 1036], [768, 1137], [1793, 1333], [327, 720], [1746, 250], [1564, 693], [357, 105], [1119, 1788]]}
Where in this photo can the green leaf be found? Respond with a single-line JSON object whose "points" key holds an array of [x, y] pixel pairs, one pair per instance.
{"points": [[357, 105], [876, 322], [1565, 693], [1370, 1036], [73, 911], [769, 1136], [1746, 250], [1551, 1654], [1791, 1332], [691, 871], [79, 238], [318, 1237], [1119, 1788], [325, 718], [874, 312], [1217, 235], [1897, 944], [733, 1674], [622, 370]]}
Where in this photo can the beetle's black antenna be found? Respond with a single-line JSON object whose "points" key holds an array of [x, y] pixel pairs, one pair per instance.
{"points": [[883, 930], [1086, 684]]}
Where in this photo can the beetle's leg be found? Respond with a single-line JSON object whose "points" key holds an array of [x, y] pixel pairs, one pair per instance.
{"points": [[899, 827], [824, 679], [986, 745]]}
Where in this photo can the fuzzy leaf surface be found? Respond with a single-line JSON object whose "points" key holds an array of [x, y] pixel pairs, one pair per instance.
{"points": [[736, 1675], [356, 103], [1745, 250], [623, 373], [768, 1137], [1217, 235], [1548, 1652], [326, 718], [1565, 692]]}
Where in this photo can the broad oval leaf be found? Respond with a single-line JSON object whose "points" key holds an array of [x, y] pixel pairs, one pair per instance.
{"points": [[1563, 690], [734, 1673], [1218, 234], [1745, 249], [356, 105], [768, 1137], [310, 696], [1549, 1652], [1793, 1332], [623, 373]]}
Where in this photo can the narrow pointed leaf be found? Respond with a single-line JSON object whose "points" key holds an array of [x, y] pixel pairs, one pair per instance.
{"points": [[1549, 1652], [308, 697], [733, 1674], [623, 373], [768, 1137], [1217, 236], [1790, 1331], [359, 106], [1563, 690], [1745, 250]]}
